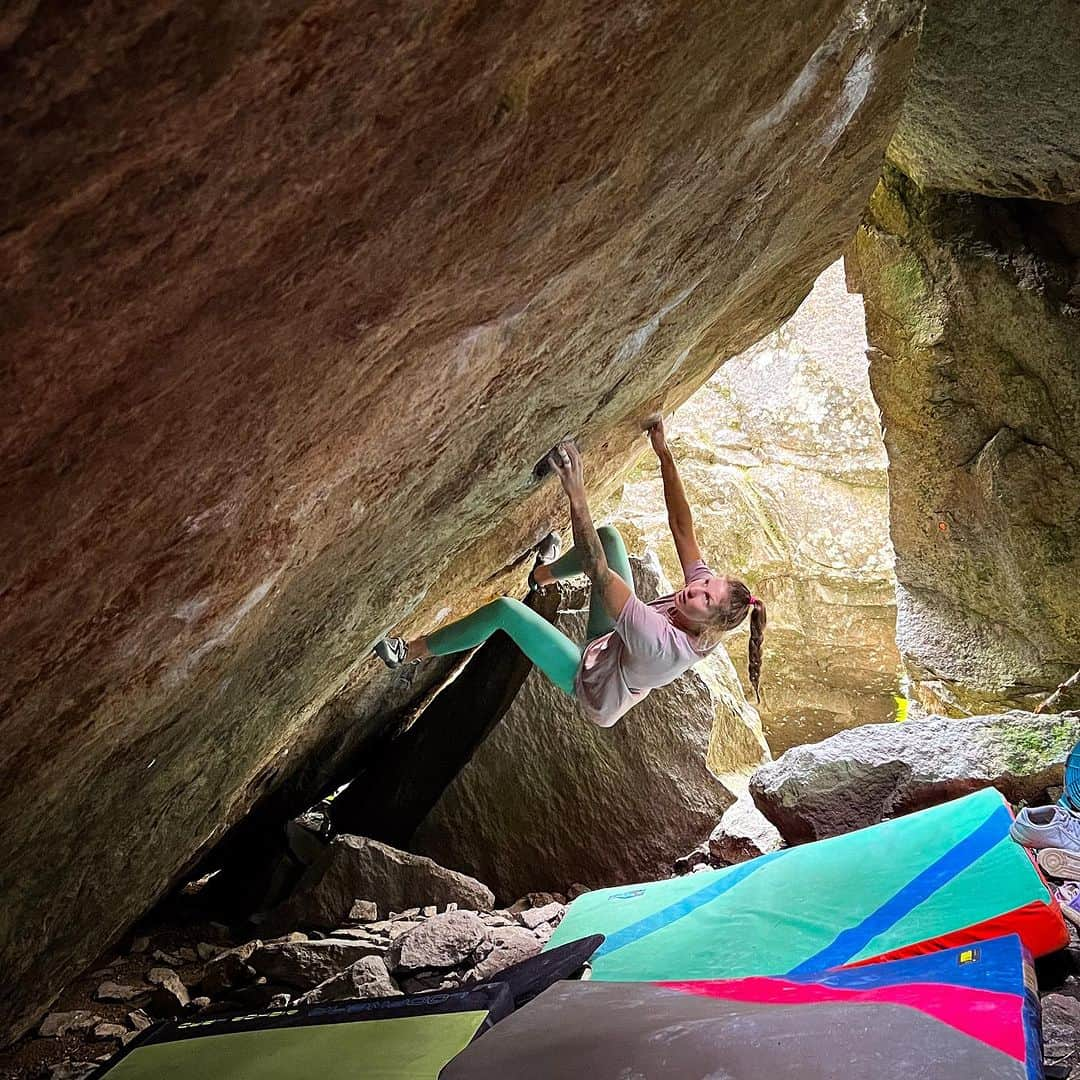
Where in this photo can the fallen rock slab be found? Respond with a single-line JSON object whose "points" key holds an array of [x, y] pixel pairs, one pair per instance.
{"points": [[509, 945], [60, 1023], [862, 776], [110, 1031], [531, 918], [445, 941], [392, 879], [367, 978], [169, 996], [743, 833], [305, 964], [111, 991]]}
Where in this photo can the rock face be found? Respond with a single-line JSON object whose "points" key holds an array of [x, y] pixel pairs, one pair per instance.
{"points": [[550, 799], [783, 462], [994, 100], [743, 833], [859, 777], [298, 297], [354, 866], [973, 314]]}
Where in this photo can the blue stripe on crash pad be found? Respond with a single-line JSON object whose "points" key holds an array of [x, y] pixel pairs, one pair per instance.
{"points": [[957, 859], [688, 904]]}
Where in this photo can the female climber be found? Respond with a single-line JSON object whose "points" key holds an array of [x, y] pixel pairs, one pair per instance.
{"points": [[631, 647]]}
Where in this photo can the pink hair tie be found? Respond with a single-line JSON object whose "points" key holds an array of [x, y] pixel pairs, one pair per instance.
{"points": [[754, 601]]}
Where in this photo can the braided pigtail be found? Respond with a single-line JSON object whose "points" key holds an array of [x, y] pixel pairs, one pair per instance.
{"points": [[757, 634]]}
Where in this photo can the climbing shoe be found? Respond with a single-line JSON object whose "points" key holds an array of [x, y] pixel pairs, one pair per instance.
{"points": [[392, 651], [546, 551]]}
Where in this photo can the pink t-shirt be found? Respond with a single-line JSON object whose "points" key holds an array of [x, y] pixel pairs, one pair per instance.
{"points": [[644, 651]]}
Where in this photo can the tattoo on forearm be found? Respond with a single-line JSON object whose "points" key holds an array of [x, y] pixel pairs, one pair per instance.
{"points": [[593, 560]]}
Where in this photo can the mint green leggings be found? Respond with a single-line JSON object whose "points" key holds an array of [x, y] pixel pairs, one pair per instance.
{"points": [[549, 649]]}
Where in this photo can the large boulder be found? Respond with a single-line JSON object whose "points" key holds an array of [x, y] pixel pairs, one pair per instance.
{"points": [[298, 296], [862, 776], [993, 105], [782, 459], [354, 866], [550, 799], [974, 327]]}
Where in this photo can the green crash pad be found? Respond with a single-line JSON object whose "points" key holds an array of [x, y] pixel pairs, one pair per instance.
{"points": [[404, 1038], [928, 880]]}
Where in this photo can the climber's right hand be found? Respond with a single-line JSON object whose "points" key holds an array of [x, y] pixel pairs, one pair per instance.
{"points": [[566, 461]]}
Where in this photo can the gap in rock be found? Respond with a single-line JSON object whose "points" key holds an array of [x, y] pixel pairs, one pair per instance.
{"points": [[782, 457]]}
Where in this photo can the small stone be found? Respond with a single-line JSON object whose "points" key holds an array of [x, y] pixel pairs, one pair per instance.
{"points": [[743, 833], [110, 1031], [139, 1020], [1061, 1030], [140, 944], [228, 969], [280, 1001], [111, 991], [205, 951], [295, 935], [170, 996], [549, 913], [200, 1002], [363, 911], [576, 890], [162, 957], [60, 1023], [408, 913], [451, 906], [429, 911]]}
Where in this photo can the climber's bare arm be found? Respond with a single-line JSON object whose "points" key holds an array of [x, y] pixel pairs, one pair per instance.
{"points": [[680, 519], [566, 461]]}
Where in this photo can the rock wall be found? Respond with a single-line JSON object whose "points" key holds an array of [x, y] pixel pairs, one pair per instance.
{"points": [[973, 312], [994, 100], [782, 459], [550, 800], [297, 294]]}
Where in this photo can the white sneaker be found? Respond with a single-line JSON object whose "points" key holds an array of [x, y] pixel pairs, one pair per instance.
{"points": [[1047, 827], [1059, 863]]}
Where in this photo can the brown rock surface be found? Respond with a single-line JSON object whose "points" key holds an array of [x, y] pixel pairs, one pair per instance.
{"points": [[297, 295], [993, 105], [397, 879]]}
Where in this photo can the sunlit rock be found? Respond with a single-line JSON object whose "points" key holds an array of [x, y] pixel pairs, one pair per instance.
{"points": [[783, 463]]}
